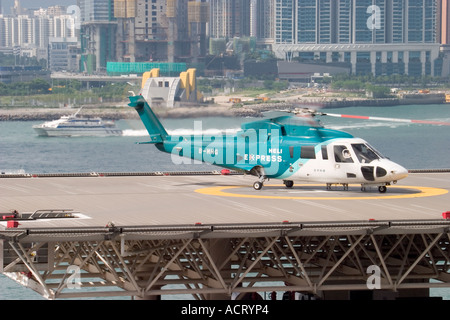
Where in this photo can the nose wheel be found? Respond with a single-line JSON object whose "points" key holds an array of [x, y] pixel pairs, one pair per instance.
{"points": [[288, 183], [381, 189]]}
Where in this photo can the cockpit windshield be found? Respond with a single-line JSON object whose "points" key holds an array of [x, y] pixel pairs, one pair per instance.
{"points": [[365, 153]]}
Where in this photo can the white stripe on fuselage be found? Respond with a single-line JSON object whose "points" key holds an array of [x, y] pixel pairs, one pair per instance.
{"points": [[331, 171]]}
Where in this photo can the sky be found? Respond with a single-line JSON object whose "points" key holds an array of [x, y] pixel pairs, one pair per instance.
{"points": [[7, 4]]}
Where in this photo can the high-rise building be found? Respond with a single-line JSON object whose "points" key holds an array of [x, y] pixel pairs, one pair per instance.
{"points": [[369, 21], [355, 21], [284, 22], [161, 30], [96, 10], [377, 36], [421, 21], [444, 22], [42, 34], [229, 18], [395, 17], [97, 34], [34, 31], [261, 19], [443, 33], [343, 21], [313, 21]]}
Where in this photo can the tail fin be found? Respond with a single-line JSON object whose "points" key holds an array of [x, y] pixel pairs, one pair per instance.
{"points": [[151, 122]]}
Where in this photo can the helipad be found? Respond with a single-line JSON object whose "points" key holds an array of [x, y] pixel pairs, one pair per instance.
{"points": [[217, 199], [217, 235]]}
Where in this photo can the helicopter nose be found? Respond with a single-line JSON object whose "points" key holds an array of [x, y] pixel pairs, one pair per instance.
{"points": [[397, 172]]}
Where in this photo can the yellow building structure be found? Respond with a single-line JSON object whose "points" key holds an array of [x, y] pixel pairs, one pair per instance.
{"points": [[170, 92]]}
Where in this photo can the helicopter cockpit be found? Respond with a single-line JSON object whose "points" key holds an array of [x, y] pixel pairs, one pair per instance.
{"points": [[364, 153], [357, 158]]}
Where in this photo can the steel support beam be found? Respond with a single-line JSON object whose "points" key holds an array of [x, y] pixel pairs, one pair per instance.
{"points": [[277, 261]]}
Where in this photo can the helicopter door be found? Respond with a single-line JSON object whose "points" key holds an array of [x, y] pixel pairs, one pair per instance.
{"points": [[342, 154], [344, 164]]}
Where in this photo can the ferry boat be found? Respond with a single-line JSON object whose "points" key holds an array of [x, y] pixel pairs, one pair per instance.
{"points": [[74, 125]]}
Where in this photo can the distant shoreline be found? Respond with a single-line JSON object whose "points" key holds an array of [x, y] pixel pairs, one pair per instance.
{"points": [[255, 110]]}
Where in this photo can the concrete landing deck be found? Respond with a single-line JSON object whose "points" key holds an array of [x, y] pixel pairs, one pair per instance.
{"points": [[217, 199], [211, 235]]}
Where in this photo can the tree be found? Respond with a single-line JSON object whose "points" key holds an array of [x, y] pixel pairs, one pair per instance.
{"points": [[39, 86], [378, 92]]}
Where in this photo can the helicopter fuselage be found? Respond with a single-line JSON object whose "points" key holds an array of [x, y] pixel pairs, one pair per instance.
{"points": [[287, 148], [335, 161]]}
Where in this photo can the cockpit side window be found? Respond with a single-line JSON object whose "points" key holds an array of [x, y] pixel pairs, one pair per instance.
{"points": [[364, 153], [342, 154]]}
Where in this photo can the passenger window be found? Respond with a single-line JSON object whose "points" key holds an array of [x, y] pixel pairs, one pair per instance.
{"points": [[307, 152], [324, 153], [342, 154]]}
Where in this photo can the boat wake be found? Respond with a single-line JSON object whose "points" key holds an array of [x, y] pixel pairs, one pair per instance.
{"points": [[180, 132]]}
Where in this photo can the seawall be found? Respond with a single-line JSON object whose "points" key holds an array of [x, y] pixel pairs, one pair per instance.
{"points": [[254, 110]]}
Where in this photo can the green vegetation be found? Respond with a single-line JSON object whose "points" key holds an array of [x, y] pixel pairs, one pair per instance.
{"points": [[276, 85], [41, 93], [359, 82], [37, 86], [380, 86], [53, 93], [245, 86]]}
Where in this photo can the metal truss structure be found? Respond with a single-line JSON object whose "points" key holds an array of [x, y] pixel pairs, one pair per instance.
{"points": [[212, 262]]}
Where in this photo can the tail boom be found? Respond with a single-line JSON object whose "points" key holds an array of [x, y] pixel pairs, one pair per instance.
{"points": [[155, 129]]}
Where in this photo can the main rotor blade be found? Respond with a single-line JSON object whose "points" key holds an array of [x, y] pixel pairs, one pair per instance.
{"points": [[440, 123]]}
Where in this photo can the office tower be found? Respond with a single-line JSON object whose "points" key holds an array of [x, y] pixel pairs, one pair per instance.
{"points": [[421, 21], [198, 17], [443, 33], [229, 18], [261, 19], [443, 28], [356, 21], [314, 21], [369, 23], [377, 36], [161, 30], [343, 21], [97, 34], [96, 10], [284, 21], [395, 17]]}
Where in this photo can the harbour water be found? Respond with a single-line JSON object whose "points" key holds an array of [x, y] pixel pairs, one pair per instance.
{"points": [[415, 146]]}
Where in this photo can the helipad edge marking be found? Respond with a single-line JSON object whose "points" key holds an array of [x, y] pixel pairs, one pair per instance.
{"points": [[424, 192]]}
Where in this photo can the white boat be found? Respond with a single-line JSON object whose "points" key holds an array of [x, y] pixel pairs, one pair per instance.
{"points": [[74, 125]]}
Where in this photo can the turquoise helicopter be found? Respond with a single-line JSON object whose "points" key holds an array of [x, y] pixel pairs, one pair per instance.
{"points": [[289, 148]]}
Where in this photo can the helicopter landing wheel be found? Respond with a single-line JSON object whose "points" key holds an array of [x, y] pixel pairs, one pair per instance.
{"points": [[382, 189], [288, 183], [258, 185]]}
